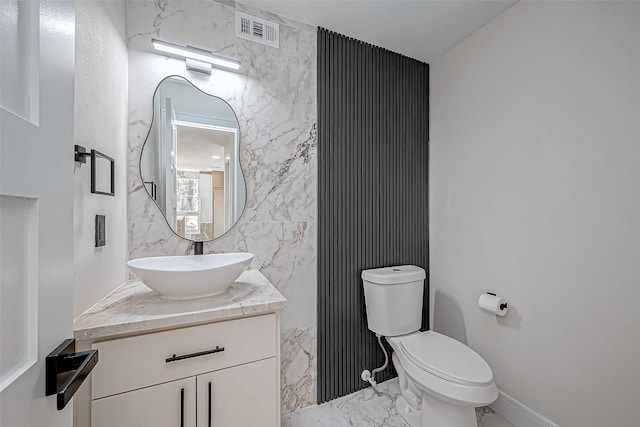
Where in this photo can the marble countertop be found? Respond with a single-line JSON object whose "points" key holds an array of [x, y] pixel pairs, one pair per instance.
{"points": [[135, 308]]}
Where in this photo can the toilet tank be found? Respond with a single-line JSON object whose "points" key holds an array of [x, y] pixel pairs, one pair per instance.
{"points": [[393, 297]]}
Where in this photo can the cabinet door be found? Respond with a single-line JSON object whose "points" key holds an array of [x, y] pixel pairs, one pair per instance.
{"points": [[171, 404], [242, 396]]}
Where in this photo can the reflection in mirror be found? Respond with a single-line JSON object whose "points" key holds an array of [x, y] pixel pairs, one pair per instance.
{"points": [[190, 161]]}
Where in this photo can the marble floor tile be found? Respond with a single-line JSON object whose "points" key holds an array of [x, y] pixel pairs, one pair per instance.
{"points": [[372, 407], [322, 415], [369, 408]]}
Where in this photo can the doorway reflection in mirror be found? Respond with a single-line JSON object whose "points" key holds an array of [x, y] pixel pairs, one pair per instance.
{"points": [[192, 153]]}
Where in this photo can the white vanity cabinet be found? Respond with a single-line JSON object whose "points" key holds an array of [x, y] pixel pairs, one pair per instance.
{"points": [[223, 374]]}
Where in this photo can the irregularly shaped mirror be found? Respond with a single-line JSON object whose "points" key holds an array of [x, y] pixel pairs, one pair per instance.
{"points": [[190, 161]]}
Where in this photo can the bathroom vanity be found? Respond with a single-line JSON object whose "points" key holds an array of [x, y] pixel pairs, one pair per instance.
{"points": [[211, 361]]}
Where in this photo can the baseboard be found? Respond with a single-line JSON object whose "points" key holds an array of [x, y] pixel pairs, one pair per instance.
{"points": [[518, 414]]}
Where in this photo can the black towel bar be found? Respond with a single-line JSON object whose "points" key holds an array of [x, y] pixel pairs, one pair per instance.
{"points": [[79, 154]]}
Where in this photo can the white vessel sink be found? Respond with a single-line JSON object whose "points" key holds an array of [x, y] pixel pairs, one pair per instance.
{"points": [[190, 276]]}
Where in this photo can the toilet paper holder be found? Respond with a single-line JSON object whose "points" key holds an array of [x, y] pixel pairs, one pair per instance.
{"points": [[494, 304], [503, 305]]}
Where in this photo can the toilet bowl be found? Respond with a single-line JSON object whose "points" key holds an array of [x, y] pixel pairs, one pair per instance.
{"points": [[441, 380]]}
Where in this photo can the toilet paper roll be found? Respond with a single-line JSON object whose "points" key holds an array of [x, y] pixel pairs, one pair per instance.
{"points": [[493, 304]]}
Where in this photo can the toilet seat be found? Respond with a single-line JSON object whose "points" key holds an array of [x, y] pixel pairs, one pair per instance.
{"points": [[446, 358], [437, 364]]}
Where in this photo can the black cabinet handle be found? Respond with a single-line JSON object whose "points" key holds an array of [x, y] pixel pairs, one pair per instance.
{"points": [[209, 413], [182, 407], [175, 358]]}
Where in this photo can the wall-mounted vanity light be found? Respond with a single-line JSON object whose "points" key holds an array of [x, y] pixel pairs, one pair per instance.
{"points": [[199, 60]]}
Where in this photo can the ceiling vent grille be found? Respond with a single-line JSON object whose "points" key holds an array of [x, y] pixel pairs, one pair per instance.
{"points": [[258, 30]]}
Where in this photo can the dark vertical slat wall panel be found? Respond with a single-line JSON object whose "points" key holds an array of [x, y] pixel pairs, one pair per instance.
{"points": [[373, 108]]}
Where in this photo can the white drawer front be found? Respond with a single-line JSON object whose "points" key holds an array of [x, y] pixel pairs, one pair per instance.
{"points": [[140, 361]]}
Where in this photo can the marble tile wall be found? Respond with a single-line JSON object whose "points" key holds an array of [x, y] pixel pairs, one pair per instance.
{"points": [[274, 97]]}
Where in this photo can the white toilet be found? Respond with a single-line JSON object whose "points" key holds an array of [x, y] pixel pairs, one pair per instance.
{"points": [[441, 379]]}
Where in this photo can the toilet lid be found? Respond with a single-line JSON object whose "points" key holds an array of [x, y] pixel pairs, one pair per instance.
{"points": [[446, 358]]}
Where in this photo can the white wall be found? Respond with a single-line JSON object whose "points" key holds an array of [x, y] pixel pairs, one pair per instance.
{"points": [[100, 123], [535, 195]]}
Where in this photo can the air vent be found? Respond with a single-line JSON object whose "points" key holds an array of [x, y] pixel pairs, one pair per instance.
{"points": [[258, 30]]}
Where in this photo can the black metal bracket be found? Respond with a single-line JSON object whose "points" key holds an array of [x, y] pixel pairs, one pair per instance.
{"points": [[80, 154], [65, 370]]}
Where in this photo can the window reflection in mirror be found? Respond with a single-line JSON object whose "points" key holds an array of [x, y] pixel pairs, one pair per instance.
{"points": [[190, 163]]}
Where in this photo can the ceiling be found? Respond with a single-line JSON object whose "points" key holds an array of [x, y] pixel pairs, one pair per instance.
{"points": [[201, 149], [420, 29]]}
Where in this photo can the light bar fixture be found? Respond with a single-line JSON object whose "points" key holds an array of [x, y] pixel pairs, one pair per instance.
{"points": [[195, 53]]}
